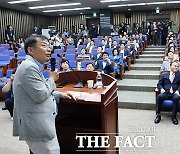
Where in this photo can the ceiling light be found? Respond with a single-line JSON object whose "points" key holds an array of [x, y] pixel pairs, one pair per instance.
{"points": [[136, 4], [152, 3], [60, 14], [55, 5], [81, 13], [173, 2], [110, 1], [22, 1], [117, 5], [74, 9]]}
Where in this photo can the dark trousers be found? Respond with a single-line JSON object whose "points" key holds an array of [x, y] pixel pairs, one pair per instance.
{"points": [[9, 103], [167, 96]]}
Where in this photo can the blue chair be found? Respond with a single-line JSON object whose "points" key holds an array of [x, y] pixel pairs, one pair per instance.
{"points": [[10, 53], [84, 62], [109, 51], [70, 47], [5, 46], [70, 57], [21, 55], [56, 57], [4, 60], [94, 51], [81, 46], [72, 63], [70, 51], [46, 74], [57, 66], [2, 49], [59, 51]]}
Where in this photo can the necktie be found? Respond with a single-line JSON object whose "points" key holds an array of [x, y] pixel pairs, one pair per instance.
{"points": [[171, 79]]}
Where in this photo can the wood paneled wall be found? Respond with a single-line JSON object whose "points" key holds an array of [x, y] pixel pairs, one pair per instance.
{"points": [[22, 23], [138, 17], [68, 22]]}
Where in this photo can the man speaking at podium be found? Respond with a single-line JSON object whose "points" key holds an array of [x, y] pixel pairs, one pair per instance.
{"points": [[35, 106]]}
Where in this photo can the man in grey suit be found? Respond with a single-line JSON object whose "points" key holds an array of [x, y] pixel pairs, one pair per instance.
{"points": [[35, 105]]}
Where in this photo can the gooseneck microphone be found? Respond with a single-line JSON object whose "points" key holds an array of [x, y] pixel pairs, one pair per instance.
{"points": [[53, 64], [80, 83]]}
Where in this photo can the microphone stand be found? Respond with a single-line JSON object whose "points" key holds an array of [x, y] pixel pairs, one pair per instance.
{"points": [[80, 83]]}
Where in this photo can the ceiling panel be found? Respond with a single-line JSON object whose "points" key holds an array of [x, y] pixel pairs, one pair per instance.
{"points": [[94, 4]]}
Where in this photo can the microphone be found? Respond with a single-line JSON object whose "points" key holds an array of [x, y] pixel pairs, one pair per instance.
{"points": [[53, 64], [80, 83]]}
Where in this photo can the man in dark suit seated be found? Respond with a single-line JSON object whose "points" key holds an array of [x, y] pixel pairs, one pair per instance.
{"points": [[105, 64], [98, 55], [169, 85]]}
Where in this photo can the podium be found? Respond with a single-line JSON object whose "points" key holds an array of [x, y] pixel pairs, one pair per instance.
{"points": [[94, 113]]}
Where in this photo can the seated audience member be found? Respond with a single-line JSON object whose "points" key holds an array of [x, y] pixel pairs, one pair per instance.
{"points": [[7, 89], [91, 46], [109, 44], [89, 67], [125, 53], [80, 42], [13, 47], [97, 56], [88, 43], [166, 64], [169, 85], [115, 45], [83, 55], [105, 64], [64, 66], [118, 60], [103, 45], [70, 40]]}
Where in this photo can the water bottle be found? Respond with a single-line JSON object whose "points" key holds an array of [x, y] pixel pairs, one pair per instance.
{"points": [[99, 83]]}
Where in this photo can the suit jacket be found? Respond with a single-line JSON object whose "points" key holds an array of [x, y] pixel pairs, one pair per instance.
{"points": [[166, 84], [107, 69], [34, 110], [94, 57]]}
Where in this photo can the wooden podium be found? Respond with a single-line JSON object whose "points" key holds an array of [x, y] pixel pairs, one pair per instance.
{"points": [[94, 113]]}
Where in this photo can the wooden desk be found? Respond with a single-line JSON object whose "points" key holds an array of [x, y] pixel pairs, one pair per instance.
{"points": [[95, 112]]}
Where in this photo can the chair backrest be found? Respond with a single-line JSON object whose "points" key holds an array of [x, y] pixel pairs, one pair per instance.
{"points": [[70, 51], [70, 47], [56, 57], [9, 73], [109, 51], [1, 73], [4, 57], [94, 51], [81, 46], [84, 62], [2, 49], [6, 46], [21, 53], [46, 74], [59, 51], [9, 52], [73, 64], [70, 56]]}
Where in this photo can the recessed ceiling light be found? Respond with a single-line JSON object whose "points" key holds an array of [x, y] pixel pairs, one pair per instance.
{"points": [[117, 5], [60, 14], [152, 3], [129, 9], [55, 5], [110, 1], [22, 1], [136, 4], [173, 2], [81, 13], [74, 9]]}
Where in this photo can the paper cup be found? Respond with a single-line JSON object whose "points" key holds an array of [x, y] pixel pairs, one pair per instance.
{"points": [[90, 83]]}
